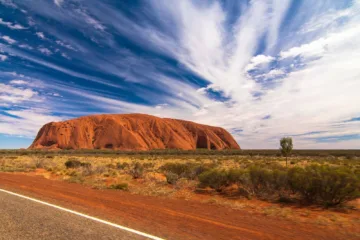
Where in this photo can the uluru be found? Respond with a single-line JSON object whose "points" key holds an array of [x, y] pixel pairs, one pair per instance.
{"points": [[131, 132]]}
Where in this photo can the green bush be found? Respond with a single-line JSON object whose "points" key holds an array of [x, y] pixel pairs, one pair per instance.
{"points": [[85, 165], [238, 176], [149, 165], [261, 180], [186, 170], [314, 184], [324, 184], [120, 186], [171, 178], [303, 182], [181, 169], [279, 180], [199, 169], [123, 165], [215, 179], [72, 163], [338, 186]]}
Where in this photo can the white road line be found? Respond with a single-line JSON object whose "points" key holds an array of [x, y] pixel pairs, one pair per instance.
{"points": [[83, 215]]}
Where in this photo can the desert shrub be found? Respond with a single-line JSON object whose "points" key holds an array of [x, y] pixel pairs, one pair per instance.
{"points": [[171, 178], [38, 162], [338, 185], [87, 171], [72, 173], [181, 169], [75, 178], [123, 165], [72, 163], [350, 157], [267, 183], [261, 179], [98, 170], [324, 184], [215, 179], [149, 165], [85, 164], [199, 169], [111, 166], [120, 186], [137, 170], [238, 176], [186, 170], [279, 180], [303, 182]]}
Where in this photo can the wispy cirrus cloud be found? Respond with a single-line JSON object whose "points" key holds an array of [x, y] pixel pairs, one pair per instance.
{"points": [[24, 122], [8, 39], [3, 57], [41, 35], [58, 2], [258, 60], [26, 46], [16, 95], [45, 51], [18, 82], [10, 25], [8, 3]]}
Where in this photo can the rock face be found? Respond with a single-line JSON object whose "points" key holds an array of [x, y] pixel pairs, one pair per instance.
{"points": [[131, 132]]}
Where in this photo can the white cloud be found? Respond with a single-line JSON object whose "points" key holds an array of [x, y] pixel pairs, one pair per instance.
{"points": [[331, 19], [58, 2], [26, 123], [279, 9], [322, 45], [15, 74], [40, 35], [68, 46], [25, 46], [90, 20], [11, 25], [258, 60], [45, 51], [18, 82], [161, 106], [272, 74], [16, 95], [64, 55], [3, 57], [31, 21], [8, 39], [8, 3]]}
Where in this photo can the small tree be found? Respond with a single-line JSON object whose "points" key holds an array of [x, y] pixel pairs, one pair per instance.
{"points": [[286, 146]]}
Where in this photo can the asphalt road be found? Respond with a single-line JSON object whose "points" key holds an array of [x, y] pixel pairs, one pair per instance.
{"points": [[21, 219]]}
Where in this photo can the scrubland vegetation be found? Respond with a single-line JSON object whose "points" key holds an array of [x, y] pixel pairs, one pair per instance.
{"points": [[322, 180]]}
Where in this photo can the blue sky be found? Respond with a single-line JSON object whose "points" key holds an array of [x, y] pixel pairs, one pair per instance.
{"points": [[262, 69]]}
